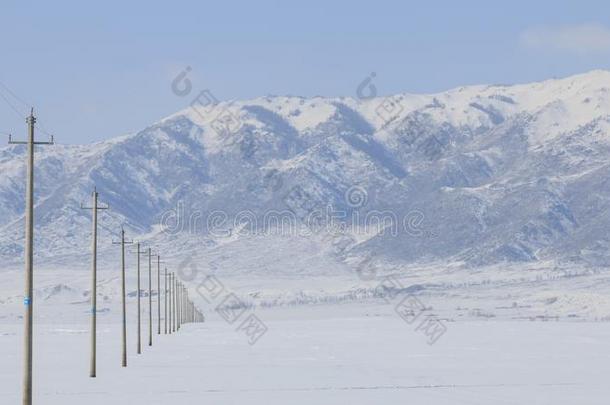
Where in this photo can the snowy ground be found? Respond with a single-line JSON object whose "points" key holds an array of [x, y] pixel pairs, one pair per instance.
{"points": [[539, 336], [339, 354]]}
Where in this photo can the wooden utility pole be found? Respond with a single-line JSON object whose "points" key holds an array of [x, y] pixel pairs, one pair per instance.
{"points": [[28, 296], [94, 208], [123, 299]]}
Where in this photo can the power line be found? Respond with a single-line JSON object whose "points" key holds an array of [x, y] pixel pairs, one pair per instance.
{"points": [[12, 93], [43, 130], [27, 105], [15, 110]]}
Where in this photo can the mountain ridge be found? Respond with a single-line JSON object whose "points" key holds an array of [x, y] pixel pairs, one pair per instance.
{"points": [[500, 174]]}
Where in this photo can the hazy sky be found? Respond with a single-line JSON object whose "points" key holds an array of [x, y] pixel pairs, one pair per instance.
{"points": [[95, 70]]}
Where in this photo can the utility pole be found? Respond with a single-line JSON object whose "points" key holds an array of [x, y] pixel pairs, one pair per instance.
{"points": [[165, 317], [28, 296], [178, 306], [139, 253], [181, 305], [184, 301], [175, 301], [159, 294], [171, 303], [95, 207], [186, 305], [124, 306], [171, 300], [149, 297]]}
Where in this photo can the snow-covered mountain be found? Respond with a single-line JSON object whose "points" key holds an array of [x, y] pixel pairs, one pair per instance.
{"points": [[476, 175]]}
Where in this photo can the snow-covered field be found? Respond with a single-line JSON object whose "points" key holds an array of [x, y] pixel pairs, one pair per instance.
{"points": [[340, 354], [497, 200], [530, 335]]}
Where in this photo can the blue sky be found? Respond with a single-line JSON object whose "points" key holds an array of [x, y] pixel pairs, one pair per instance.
{"points": [[95, 70]]}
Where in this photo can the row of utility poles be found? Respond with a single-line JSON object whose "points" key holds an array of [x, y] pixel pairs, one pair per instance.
{"points": [[179, 309]]}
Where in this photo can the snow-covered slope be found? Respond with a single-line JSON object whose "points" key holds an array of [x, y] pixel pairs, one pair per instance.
{"points": [[476, 175]]}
